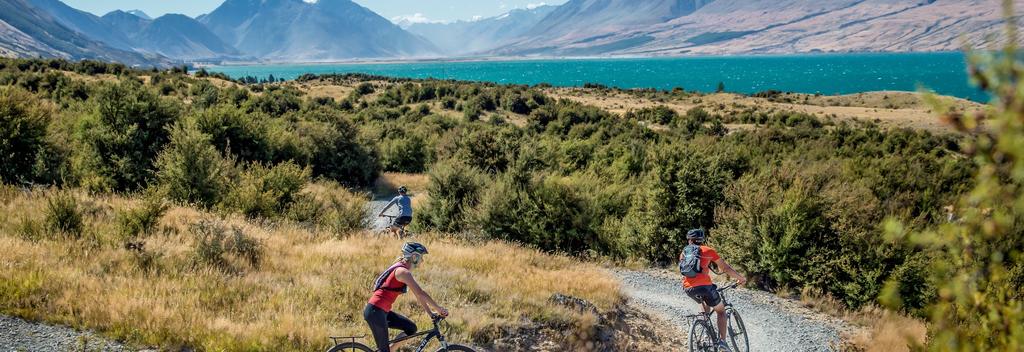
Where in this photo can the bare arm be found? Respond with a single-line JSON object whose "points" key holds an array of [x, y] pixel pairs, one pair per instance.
{"points": [[730, 271], [386, 208], [425, 300]]}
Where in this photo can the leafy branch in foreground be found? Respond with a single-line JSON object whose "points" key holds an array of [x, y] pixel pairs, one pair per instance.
{"points": [[979, 262]]}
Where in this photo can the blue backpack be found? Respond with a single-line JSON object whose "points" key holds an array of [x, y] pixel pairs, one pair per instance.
{"points": [[689, 265]]}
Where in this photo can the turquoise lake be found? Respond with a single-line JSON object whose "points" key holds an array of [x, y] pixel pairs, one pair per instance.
{"points": [[944, 73]]}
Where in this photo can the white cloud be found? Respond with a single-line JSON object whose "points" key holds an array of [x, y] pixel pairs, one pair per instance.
{"points": [[533, 6], [477, 18]]}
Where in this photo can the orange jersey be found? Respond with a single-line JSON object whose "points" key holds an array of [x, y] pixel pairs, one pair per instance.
{"points": [[707, 256]]}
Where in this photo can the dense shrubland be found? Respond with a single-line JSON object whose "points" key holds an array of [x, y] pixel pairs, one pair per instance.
{"points": [[797, 201]]}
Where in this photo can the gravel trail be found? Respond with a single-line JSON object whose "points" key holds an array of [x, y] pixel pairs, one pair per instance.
{"points": [[773, 323], [20, 335]]}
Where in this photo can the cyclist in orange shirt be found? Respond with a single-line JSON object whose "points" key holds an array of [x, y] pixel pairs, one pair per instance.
{"points": [[700, 287]]}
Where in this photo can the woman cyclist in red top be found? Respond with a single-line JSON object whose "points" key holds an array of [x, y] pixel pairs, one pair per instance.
{"points": [[395, 281]]}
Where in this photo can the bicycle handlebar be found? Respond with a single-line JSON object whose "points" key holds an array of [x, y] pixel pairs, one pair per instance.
{"points": [[729, 287]]}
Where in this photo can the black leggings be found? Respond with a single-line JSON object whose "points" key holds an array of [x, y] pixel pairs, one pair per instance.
{"points": [[380, 321]]}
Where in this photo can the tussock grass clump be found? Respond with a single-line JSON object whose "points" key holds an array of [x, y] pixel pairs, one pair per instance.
{"points": [[63, 215], [141, 220], [213, 241], [308, 284]]}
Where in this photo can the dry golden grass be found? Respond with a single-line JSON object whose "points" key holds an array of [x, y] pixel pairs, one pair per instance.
{"points": [[878, 330], [889, 109], [309, 285], [889, 332]]}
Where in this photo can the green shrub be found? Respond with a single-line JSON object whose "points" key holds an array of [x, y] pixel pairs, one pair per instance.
{"points": [[546, 212], [266, 192], [63, 217], [336, 151], [191, 170], [337, 209], [659, 114], [120, 139], [23, 124], [453, 191], [679, 193], [404, 154], [233, 130], [141, 220]]}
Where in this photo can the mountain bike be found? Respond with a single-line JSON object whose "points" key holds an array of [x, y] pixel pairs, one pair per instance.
{"points": [[704, 334], [402, 233], [341, 345]]}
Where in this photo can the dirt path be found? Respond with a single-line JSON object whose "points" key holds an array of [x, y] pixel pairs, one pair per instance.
{"points": [[774, 324]]}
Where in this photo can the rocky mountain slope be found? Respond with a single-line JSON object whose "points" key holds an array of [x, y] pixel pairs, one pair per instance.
{"points": [[30, 32], [83, 22], [605, 27], [295, 30]]}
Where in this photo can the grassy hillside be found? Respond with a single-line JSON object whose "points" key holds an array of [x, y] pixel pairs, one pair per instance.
{"points": [[178, 276]]}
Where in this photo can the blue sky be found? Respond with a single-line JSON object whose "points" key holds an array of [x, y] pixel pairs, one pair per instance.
{"points": [[418, 10]]}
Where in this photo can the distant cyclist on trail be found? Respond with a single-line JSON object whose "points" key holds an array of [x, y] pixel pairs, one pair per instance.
{"points": [[694, 263], [393, 282], [404, 218]]}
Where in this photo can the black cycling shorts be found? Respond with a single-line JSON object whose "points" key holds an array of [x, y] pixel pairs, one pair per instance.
{"points": [[707, 294], [402, 221]]}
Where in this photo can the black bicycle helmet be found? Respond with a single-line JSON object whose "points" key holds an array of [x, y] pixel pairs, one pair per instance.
{"points": [[413, 247], [698, 235], [403, 189]]}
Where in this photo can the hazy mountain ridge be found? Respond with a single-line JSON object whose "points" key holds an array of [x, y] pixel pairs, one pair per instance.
{"points": [[466, 37], [172, 35], [294, 30], [182, 37]]}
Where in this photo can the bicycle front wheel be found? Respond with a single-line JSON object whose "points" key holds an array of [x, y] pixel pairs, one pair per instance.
{"points": [[701, 338], [350, 347], [455, 348], [738, 333]]}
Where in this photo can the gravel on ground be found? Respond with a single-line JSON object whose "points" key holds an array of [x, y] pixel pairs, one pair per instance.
{"points": [[19, 335]]}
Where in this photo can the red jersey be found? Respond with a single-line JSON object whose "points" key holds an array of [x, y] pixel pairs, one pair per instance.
{"points": [[389, 291]]}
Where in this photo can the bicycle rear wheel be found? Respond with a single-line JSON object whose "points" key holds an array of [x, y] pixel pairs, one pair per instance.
{"points": [[738, 333], [350, 347], [701, 338]]}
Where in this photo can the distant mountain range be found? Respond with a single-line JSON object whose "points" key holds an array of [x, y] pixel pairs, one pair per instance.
{"points": [[324, 30], [337, 30]]}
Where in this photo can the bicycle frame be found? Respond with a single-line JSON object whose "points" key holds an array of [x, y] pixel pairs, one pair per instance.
{"points": [[706, 316], [427, 336]]}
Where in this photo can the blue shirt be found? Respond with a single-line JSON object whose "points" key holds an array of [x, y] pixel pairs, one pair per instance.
{"points": [[404, 205]]}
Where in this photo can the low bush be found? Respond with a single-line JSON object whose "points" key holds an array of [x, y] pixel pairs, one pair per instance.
{"points": [[23, 125], [63, 217], [191, 170], [121, 137], [216, 244], [266, 191], [453, 190], [141, 220]]}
